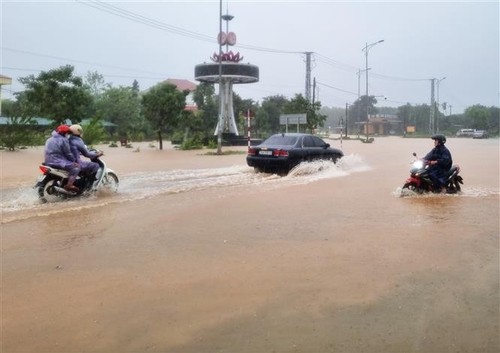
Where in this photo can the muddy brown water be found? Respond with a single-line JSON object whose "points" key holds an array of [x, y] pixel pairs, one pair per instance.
{"points": [[197, 253]]}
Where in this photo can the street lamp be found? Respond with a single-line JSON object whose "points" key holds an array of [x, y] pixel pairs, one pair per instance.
{"points": [[366, 49]]}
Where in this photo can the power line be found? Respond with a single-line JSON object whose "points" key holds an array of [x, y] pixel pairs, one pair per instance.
{"points": [[332, 62], [336, 88], [114, 10], [117, 11], [398, 78], [76, 61]]}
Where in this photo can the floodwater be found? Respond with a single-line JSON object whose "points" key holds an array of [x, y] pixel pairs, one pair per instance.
{"points": [[198, 253]]}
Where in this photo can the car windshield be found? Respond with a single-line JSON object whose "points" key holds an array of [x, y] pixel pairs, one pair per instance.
{"points": [[280, 140]]}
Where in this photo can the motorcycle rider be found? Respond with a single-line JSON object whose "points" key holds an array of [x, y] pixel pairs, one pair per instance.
{"points": [[58, 155], [78, 148], [440, 162]]}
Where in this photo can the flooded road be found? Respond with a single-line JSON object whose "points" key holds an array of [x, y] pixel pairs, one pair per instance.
{"points": [[23, 202], [198, 253]]}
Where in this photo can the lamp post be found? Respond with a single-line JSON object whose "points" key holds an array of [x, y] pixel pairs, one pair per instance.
{"points": [[221, 120], [366, 49]]}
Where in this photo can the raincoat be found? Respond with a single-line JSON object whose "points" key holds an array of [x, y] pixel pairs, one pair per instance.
{"points": [[58, 153], [78, 148], [439, 171]]}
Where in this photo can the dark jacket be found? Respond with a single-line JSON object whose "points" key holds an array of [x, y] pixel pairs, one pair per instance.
{"points": [[443, 157]]}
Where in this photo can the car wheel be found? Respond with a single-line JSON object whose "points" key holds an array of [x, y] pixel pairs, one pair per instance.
{"points": [[334, 158]]}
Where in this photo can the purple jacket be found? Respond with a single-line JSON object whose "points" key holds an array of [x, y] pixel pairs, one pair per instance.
{"points": [[58, 152], [78, 147]]}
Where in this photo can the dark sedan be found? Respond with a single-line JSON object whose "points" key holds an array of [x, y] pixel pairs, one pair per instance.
{"points": [[281, 152]]}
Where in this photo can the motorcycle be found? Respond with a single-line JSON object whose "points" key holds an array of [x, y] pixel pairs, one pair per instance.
{"points": [[420, 181], [50, 185]]}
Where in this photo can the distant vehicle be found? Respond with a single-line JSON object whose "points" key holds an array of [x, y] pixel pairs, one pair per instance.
{"points": [[466, 132], [282, 152], [480, 134]]}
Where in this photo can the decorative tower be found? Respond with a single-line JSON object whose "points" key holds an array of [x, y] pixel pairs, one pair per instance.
{"points": [[226, 70]]}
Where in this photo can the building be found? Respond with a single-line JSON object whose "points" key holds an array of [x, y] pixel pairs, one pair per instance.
{"points": [[382, 124], [4, 80], [185, 85]]}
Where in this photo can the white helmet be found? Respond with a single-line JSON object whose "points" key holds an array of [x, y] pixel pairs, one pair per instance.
{"points": [[76, 130]]}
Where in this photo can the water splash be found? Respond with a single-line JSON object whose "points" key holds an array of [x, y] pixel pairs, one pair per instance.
{"points": [[21, 203], [321, 169], [466, 192]]}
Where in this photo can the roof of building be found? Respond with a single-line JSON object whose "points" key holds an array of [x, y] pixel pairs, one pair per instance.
{"points": [[182, 85], [5, 80]]}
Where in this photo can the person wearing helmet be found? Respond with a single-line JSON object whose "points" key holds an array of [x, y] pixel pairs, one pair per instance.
{"points": [[58, 154], [440, 162], [79, 148]]}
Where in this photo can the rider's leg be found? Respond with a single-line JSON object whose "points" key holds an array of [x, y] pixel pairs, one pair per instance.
{"points": [[73, 172]]}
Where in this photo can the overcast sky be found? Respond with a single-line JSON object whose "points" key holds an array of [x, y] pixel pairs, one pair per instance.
{"points": [[153, 41]]}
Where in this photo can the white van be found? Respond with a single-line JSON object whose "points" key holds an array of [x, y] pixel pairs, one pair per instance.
{"points": [[466, 132]]}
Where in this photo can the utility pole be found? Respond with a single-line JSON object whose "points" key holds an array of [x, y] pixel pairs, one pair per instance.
{"points": [[308, 75], [432, 109], [314, 91], [359, 82], [346, 114], [437, 103]]}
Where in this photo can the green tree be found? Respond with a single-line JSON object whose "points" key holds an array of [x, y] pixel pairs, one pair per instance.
{"points": [[208, 108], [10, 108], [299, 104], [94, 132], [479, 116], [359, 110], [267, 118], [56, 94], [404, 114], [122, 107], [95, 82], [494, 121], [241, 108], [417, 116], [18, 132], [163, 105]]}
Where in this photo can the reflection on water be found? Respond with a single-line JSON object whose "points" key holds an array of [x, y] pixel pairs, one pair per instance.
{"points": [[22, 203], [466, 192], [433, 208]]}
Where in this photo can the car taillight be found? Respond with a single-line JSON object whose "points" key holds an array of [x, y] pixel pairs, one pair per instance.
{"points": [[252, 151], [280, 153], [44, 169]]}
